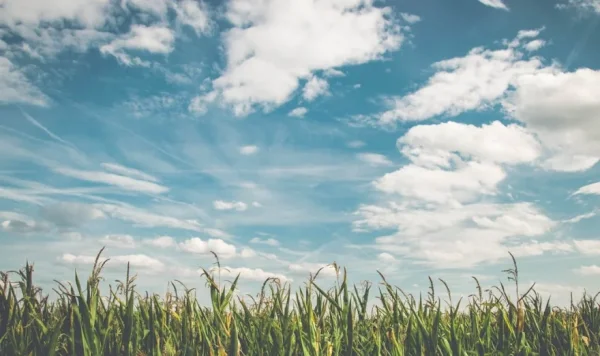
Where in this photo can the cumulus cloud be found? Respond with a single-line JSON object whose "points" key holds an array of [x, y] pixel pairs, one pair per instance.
{"points": [[444, 144], [298, 112], [461, 236], [479, 79], [47, 29], [314, 88], [248, 253], [87, 13], [274, 44], [440, 186], [153, 39], [192, 13], [556, 106], [199, 246], [563, 110], [234, 205]]}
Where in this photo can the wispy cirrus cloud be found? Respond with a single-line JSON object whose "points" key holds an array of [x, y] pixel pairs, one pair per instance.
{"points": [[120, 181]]}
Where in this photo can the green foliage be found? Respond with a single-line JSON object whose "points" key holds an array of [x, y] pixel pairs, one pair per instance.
{"points": [[311, 321]]}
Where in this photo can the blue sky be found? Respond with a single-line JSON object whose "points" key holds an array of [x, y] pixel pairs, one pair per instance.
{"points": [[415, 138]]}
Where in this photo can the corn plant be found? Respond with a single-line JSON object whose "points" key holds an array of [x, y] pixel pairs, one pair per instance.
{"points": [[312, 320]]}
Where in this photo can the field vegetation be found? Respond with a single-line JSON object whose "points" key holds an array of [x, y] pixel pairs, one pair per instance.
{"points": [[312, 320]]}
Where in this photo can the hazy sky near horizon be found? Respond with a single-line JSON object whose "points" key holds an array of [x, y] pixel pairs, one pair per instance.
{"points": [[412, 137]]}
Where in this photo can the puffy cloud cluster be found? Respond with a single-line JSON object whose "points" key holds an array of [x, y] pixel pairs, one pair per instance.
{"points": [[276, 44]]}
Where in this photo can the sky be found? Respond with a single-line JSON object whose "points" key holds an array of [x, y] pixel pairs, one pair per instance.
{"points": [[415, 138]]}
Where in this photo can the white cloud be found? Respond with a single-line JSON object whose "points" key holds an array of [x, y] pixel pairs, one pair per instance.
{"points": [[498, 4], [120, 241], [253, 274], [268, 241], [88, 13], [386, 257], [314, 88], [160, 242], [460, 236], [234, 205], [248, 150], [305, 268], [141, 261], [410, 18], [356, 144], [220, 234], [588, 247], [562, 108], [589, 189], [275, 43], [194, 14], [20, 195], [49, 28], [583, 5], [16, 88], [43, 43], [199, 104], [534, 45], [374, 159], [21, 226], [298, 112], [332, 72], [461, 185], [152, 39], [444, 144], [70, 214], [155, 7], [147, 219], [247, 253], [199, 246], [122, 182], [479, 79], [256, 204], [569, 163], [536, 248], [592, 270], [508, 219], [126, 171]]}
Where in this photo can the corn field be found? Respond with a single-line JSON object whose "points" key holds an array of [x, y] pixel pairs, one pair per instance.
{"points": [[309, 321]]}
